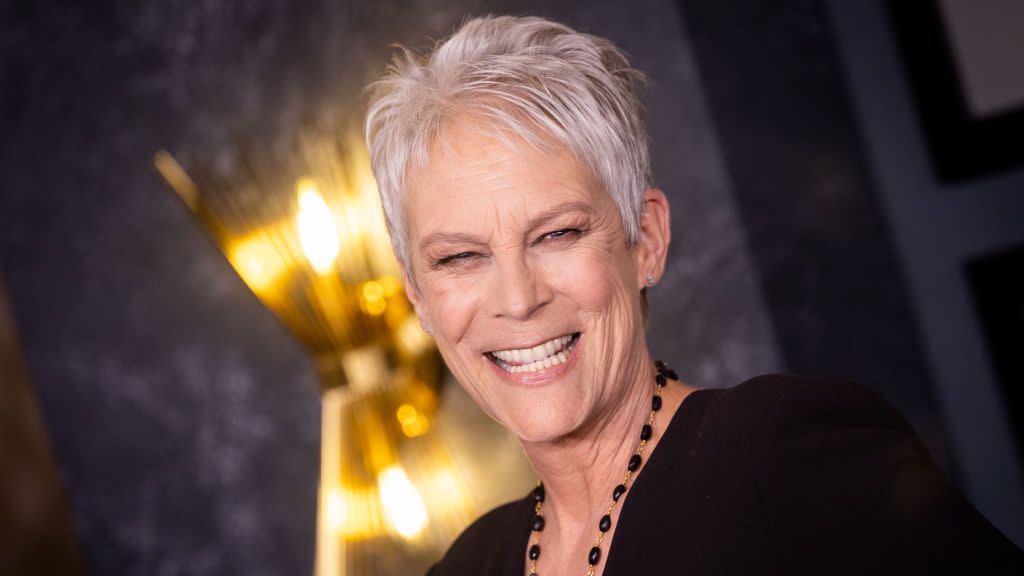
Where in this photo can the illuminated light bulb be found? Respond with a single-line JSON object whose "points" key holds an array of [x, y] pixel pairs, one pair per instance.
{"points": [[257, 261], [317, 232], [402, 502], [418, 427], [413, 423], [373, 298], [336, 510], [373, 291], [406, 413]]}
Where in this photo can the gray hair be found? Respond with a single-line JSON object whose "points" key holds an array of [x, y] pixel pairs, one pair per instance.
{"points": [[533, 78]]}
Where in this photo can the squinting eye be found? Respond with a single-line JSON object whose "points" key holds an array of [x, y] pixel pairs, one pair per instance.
{"points": [[455, 258], [558, 234]]}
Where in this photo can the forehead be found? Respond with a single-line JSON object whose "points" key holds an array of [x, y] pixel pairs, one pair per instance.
{"points": [[473, 178]]}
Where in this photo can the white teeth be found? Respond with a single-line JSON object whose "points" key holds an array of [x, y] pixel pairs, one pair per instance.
{"points": [[546, 355], [528, 355]]}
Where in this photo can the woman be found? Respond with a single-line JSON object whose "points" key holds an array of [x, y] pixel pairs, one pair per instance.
{"points": [[513, 168]]}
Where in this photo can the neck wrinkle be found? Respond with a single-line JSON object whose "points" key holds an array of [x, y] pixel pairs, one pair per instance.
{"points": [[579, 472]]}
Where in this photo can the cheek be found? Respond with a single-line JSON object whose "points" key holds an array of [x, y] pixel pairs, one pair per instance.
{"points": [[452, 309], [592, 279]]}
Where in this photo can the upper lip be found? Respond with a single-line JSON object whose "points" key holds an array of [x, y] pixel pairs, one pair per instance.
{"points": [[523, 344]]}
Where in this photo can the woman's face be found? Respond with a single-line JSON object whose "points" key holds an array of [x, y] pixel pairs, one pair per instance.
{"points": [[523, 272]]}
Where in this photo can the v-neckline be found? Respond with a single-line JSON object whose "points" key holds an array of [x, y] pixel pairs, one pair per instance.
{"points": [[689, 404]]}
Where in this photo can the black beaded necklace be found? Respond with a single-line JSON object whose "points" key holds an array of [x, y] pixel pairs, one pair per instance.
{"points": [[605, 524]]}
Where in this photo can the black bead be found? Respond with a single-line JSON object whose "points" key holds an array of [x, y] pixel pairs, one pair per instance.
{"points": [[606, 523], [660, 365], [594, 556], [656, 403], [538, 523], [534, 552], [618, 492], [538, 493], [645, 432], [634, 462], [672, 374], [660, 379]]}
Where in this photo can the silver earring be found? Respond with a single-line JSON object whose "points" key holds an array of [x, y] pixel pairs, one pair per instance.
{"points": [[650, 279], [427, 329]]}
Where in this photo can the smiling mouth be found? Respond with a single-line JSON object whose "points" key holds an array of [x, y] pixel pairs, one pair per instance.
{"points": [[550, 353]]}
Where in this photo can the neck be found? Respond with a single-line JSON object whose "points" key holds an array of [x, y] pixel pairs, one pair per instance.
{"points": [[580, 471]]}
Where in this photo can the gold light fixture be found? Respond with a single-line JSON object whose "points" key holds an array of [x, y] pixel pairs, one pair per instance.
{"points": [[310, 241]]}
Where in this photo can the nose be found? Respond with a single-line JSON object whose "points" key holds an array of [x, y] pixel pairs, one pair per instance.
{"points": [[518, 290]]}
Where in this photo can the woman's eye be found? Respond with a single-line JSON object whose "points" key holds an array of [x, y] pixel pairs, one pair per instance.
{"points": [[561, 234], [455, 258]]}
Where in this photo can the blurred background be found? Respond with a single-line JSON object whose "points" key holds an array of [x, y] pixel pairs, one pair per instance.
{"points": [[848, 199]]}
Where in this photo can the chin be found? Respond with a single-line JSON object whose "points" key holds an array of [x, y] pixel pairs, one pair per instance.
{"points": [[543, 418]]}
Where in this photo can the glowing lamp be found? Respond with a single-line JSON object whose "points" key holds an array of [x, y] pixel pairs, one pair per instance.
{"points": [[313, 247]]}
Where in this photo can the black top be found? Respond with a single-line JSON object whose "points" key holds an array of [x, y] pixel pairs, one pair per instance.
{"points": [[781, 474]]}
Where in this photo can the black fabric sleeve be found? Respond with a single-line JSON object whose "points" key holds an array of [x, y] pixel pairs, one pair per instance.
{"points": [[849, 488]]}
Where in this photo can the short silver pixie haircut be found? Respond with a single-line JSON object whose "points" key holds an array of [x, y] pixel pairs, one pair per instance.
{"points": [[528, 77]]}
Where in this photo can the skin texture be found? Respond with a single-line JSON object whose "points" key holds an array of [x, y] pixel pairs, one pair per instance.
{"points": [[512, 246]]}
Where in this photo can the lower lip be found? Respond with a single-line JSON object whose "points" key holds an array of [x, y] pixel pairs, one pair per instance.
{"points": [[542, 376]]}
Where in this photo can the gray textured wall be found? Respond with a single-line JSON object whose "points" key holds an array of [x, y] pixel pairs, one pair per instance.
{"points": [[183, 418], [937, 228], [36, 534]]}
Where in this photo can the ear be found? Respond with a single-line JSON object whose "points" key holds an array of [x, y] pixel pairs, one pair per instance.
{"points": [[651, 249], [413, 294]]}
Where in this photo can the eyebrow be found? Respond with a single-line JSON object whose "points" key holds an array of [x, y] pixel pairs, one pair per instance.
{"points": [[535, 222], [552, 213]]}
